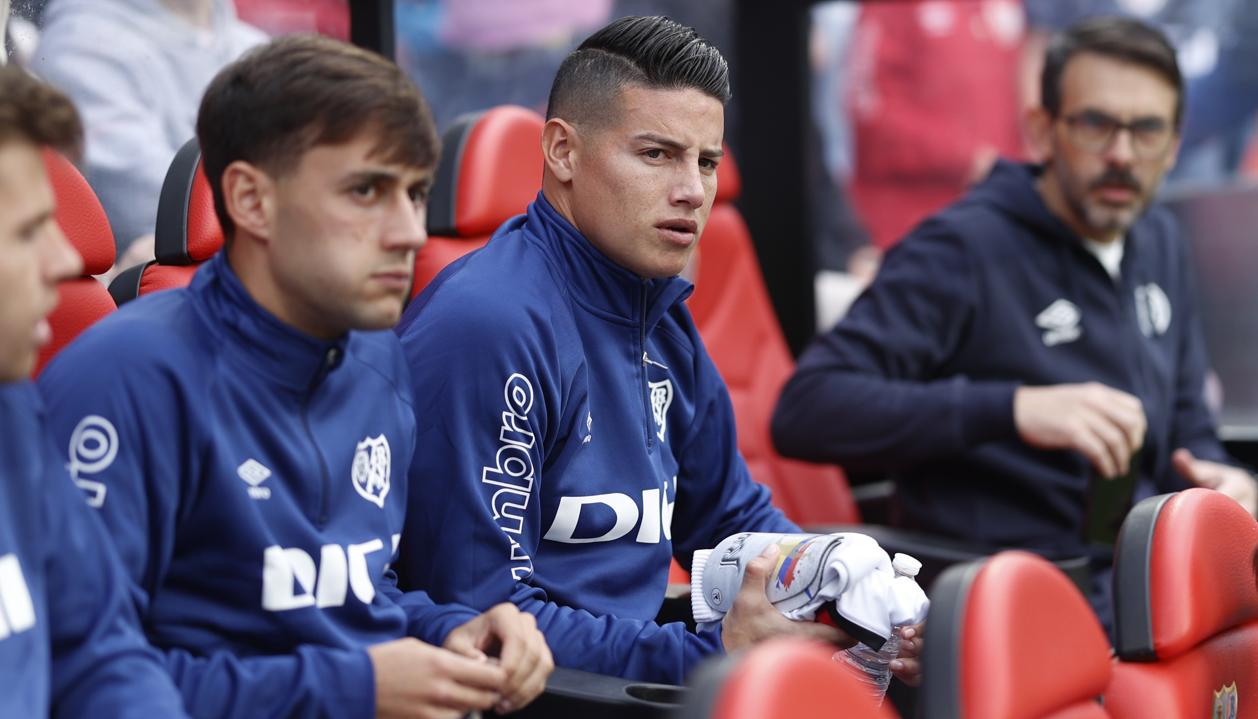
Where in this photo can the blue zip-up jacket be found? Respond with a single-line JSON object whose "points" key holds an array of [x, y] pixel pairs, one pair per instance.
{"points": [[254, 480], [70, 643], [992, 293], [575, 436]]}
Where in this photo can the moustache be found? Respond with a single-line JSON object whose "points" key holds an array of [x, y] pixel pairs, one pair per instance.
{"points": [[1115, 177]]}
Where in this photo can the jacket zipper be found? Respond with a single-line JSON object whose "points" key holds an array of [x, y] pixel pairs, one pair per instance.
{"points": [[329, 361], [645, 388]]}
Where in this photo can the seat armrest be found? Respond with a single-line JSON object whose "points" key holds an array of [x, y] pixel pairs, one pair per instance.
{"points": [[573, 694]]}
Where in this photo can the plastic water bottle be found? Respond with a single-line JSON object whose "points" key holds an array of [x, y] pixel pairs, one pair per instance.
{"points": [[873, 666]]}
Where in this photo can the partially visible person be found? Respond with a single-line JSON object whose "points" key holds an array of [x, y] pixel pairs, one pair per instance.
{"points": [[246, 439], [933, 100], [70, 641], [136, 70], [283, 17], [1038, 338], [580, 435]]}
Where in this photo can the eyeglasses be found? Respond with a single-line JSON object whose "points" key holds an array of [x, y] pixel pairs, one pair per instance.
{"points": [[1093, 131]]}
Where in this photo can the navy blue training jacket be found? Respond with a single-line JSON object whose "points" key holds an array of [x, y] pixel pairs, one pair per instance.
{"points": [[574, 436], [992, 293], [254, 480], [70, 644]]}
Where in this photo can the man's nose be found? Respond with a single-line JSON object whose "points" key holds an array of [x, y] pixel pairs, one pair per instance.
{"points": [[406, 224], [689, 189], [60, 260]]}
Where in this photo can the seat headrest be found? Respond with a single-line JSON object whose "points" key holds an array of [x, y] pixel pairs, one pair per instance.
{"points": [[783, 678], [80, 215], [729, 185], [490, 170], [1011, 637], [187, 230], [1184, 572]]}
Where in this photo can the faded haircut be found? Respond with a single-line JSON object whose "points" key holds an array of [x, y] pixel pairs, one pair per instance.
{"points": [[652, 52], [279, 100]]}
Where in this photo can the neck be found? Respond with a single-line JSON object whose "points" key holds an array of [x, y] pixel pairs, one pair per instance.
{"points": [[559, 198], [253, 271], [1050, 190], [198, 13]]}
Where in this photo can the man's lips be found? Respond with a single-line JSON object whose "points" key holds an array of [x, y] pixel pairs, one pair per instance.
{"points": [[1115, 194], [679, 231], [394, 279]]}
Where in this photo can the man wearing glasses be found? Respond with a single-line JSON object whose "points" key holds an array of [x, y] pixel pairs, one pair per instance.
{"points": [[1029, 361]]}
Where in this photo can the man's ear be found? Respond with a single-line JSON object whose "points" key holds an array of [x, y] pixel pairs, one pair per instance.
{"points": [[560, 145], [1039, 134], [249, 194]]}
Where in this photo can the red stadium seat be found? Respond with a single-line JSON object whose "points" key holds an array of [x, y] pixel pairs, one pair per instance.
{"points": [[1186, 609], [735, 317], [780, 679], [490, 170], [1010, 637], [82, 300], [187, 232]]}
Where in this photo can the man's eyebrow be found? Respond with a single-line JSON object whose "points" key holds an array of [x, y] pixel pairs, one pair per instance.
{"points": [[373, 176], [32, 224], [677, 146]]}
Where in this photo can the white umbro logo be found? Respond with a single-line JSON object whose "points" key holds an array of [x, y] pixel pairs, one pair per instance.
{"points": [[1060, 322], [255, 473]]}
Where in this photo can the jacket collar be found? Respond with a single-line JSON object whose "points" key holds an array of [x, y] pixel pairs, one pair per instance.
{"points": [[281, 352], [594, 280]]}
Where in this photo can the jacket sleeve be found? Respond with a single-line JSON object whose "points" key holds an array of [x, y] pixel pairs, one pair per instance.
{"points": [[97, 390], [868, 393], [716, 495], [426, 620], [1193, 426], [101, 663], [489, 408]]}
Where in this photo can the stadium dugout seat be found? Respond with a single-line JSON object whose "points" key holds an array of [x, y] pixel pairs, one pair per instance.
{"points": [[187, 232], [1011, 637], [787, 678], [1186, 609], [81, 300], [490, 170], [736, 319]]}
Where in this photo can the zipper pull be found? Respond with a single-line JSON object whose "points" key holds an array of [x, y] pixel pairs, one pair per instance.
{"points": [[648, 361]]}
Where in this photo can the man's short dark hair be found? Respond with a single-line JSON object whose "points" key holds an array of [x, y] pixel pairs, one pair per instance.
{"points": [[278, 101], [35, 112], [654, 52], [1114, 37]]}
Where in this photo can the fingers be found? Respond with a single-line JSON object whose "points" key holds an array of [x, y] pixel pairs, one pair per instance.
{"points": [[1123, 410], [908, 670], [1088, 442], [1114, 444], [472, 674], [524, 656]]}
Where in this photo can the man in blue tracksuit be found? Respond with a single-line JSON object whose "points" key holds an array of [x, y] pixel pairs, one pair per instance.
{"points": [[70, 642], [1039, 336], [578, 434], [246, 439]]}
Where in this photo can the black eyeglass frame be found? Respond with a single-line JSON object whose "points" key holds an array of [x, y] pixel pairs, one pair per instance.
{"points": [[1151, 137]]}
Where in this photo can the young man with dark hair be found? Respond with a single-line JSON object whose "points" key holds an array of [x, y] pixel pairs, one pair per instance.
{"points": [[70, 643], [1040, 336], [258, 423], [581, 436]]}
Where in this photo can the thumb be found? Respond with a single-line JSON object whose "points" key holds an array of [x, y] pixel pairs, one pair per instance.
{"points": [[464, 640], [760, 569], [1186, 465]]}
